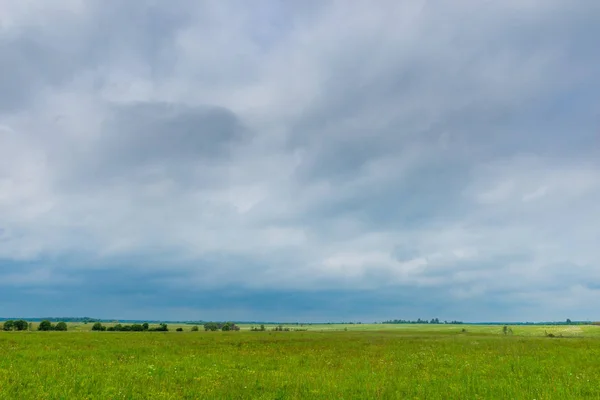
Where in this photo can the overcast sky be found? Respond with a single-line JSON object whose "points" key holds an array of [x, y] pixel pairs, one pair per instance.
{"points": [[300, 160]]}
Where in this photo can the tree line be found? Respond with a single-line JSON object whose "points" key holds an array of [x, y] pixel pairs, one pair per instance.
{"points": [[130, 328], [220, 326], [22, 325], [19, 325], [420, 321], [49, 326]]}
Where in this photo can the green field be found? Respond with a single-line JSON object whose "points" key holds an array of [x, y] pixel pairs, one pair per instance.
{"points": [[325, 362]]}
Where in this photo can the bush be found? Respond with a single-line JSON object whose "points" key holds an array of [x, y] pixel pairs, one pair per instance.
{"points": [[61, 326], [211, 326], [98, 327], [179, 329], [20, 325], [45, 326], [8, 325], [195, 328], [261, 329], [161, 328]]}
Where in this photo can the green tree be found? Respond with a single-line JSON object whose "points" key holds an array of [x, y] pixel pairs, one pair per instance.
{"points": [[9, 325], [20, 325], [180, 329], [211, 326], [195, 328], [45, 326], [161, 328], [145, 326], [98, 327], [61, 326]]}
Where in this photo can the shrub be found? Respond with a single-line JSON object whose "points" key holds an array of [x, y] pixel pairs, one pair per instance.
{"points": [[211, 326], [98, 327], [161, 328], [195, 328], [61, 326], [8, 325], [179, 329], [20, 325], [45, 326]]}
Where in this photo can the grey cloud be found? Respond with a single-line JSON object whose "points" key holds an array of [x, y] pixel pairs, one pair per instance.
{"points": [[156, 140], [402, 146], [154, 132], [478, 81]]}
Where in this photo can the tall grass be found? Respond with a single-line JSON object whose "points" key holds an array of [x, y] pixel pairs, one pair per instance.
{"points": [[397, 364]]}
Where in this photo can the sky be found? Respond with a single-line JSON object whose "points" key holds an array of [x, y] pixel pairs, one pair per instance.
{"points": [[300, 161]]}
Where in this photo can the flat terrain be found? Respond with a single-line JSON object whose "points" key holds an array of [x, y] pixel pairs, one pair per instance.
{"points": [[327, 362]]}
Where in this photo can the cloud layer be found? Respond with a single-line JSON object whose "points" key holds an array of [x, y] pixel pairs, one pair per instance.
{"points": [[323, 160]]}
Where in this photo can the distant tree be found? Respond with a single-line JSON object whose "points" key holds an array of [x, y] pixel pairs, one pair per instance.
{"points": [[45, 326], [137, 327], [118, 327], [180, 329], [161, 328], [8, 325], [226, 327], [211, 326], [195, 328], [20, 325], [61, 326], [262, 327], [98, 327], [145, 326], [505, 330], [569, 321]]}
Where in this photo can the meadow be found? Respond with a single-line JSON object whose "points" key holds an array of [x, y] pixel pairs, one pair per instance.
{"points": [[324, 362]]}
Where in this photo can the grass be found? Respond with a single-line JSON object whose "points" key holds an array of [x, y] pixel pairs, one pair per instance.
{"points": [[387, 362]]}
